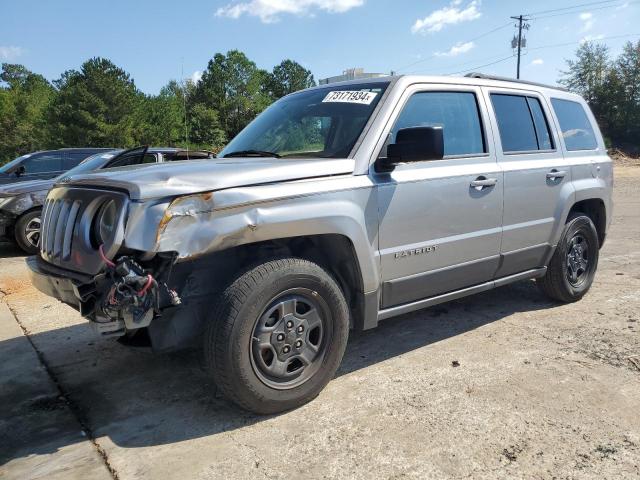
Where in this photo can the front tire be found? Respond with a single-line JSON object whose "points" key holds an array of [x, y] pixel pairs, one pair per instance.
{"points": [[27, 231], [573, 266], [278, 335]]}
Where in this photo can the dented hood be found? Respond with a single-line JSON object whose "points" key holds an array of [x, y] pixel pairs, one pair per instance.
{"points": [[29, 186], [194, 176]]}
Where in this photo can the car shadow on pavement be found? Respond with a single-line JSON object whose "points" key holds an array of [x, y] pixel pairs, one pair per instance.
{"points": [[137, 399], [10, 250]]}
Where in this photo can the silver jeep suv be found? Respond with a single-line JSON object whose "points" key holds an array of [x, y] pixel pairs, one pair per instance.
{"points": [[337, 207]]}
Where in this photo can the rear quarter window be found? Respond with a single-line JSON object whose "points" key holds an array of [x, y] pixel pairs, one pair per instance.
{"points": [[576, 128]]}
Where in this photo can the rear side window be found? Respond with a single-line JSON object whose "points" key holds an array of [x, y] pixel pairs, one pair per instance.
{"points": [[576, 129], [456, 112], [522, 123]]}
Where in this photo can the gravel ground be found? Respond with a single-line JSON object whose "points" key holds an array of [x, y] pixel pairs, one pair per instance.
{"points": [[506, 384]]}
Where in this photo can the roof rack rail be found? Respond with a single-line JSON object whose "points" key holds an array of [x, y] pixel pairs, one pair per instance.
{"points": [[513, 80]]}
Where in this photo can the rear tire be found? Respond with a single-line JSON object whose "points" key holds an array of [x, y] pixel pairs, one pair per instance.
{"points": [[573, 266], [278, 335], [27, 231]]}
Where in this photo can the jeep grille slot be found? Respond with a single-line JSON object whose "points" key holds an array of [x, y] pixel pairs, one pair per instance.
{"points": [[51, 226], [61, 223], [71, 223]]}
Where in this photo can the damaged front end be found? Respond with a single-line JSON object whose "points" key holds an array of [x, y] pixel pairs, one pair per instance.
{"points": [[126, 297]]}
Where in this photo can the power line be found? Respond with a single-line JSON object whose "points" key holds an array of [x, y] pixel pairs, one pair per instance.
{"points": [[481, 66], [573, 12], [538, 48], [571, 7], [465, 41]]}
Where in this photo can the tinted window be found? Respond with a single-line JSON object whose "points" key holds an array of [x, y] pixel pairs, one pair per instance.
{"points": [[540, 123], [43, 163], [93, 162], [515, 123], [73, 159], [132, 159], [457, 114], [576, 129]]}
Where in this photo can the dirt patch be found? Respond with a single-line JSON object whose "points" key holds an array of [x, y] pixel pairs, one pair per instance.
{"points": [[12, 285], [622, 159]]}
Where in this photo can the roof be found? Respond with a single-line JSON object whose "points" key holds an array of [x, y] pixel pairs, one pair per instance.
{"points": [[475, 78]]}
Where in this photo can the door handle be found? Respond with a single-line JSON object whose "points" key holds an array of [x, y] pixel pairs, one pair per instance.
{"points": [[555, 174], [482, 182]]}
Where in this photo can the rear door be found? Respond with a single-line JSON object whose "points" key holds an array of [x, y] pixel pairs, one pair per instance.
{"points": [[537, 180], [438, 230]]}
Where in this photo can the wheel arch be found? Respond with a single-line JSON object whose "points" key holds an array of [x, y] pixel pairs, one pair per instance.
{"points": [[595, 209]]}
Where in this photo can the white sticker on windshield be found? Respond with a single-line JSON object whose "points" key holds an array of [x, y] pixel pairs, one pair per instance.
{"points": [[350, 96]]}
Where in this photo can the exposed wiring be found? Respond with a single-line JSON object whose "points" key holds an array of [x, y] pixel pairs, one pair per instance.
{"points": [[150, 281], [104, 258]]}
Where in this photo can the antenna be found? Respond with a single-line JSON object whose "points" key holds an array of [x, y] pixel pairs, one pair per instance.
{"points": [[184, 106]]}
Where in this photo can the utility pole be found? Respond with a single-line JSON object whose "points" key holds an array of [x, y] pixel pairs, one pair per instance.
{"points": [[520, 42]]}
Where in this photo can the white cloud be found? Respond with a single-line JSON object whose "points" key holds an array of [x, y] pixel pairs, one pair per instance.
{"points": [[269, 10], [591, 38], [450, 15], [10, 52], [196, 76], [587, 21], [457, 49], [537, 61]]}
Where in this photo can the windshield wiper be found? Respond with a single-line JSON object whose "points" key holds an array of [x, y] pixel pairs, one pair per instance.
{"points": [[251, 153]]}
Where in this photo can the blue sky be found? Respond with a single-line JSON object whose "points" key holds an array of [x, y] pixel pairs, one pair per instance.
{"points": [[154, 39]]}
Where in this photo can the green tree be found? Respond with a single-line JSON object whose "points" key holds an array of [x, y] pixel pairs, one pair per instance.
{"points": [[289, 77], [24, 97], [587, 74], [204, 128], [236, 88], [94, 106], [627, 92], [159, 119]]}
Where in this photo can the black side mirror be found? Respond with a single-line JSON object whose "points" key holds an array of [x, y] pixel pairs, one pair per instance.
{"points": [[20, 171], [415, 144]]}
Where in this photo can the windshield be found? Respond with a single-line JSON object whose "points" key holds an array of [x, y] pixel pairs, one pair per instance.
{"points": [[93, 162], [316, 123], [7, 167]]}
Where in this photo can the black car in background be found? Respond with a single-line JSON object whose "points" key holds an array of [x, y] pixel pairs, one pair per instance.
{"points": [[45, 164], [21, 203]]}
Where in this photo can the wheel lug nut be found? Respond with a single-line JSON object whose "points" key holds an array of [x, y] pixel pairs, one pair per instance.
{"points": [[300, 329], [286, 349], [298, 343], [289, 324], [280, 337]]}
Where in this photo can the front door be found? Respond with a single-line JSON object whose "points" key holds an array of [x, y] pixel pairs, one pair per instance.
{"points": [[440, 222]]}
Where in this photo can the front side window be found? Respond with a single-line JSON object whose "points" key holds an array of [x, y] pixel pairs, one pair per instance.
{"points": [[576, 128], [456, 112], [324, 123], [43, 163]]}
